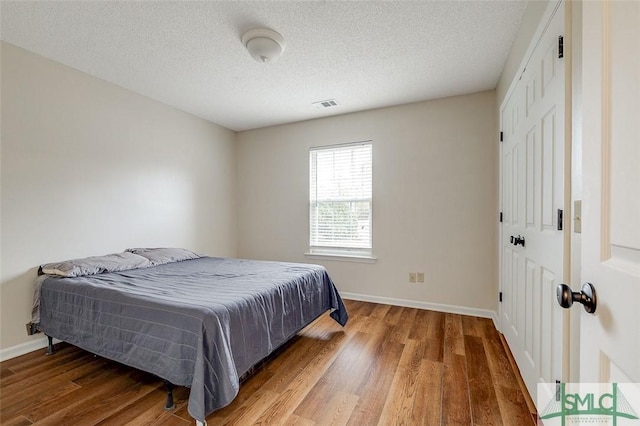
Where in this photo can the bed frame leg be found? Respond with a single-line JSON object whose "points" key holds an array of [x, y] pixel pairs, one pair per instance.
{"points": [[169, 405], [50, 350]]}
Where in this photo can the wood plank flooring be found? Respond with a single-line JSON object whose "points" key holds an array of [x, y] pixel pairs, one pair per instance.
{"points": [[389, 366]]}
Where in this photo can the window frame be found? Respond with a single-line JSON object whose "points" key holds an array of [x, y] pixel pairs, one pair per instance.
{"points": [[336, 252]]}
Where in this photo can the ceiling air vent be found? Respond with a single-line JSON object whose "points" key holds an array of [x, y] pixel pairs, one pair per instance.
{"points": [[326, 104]]}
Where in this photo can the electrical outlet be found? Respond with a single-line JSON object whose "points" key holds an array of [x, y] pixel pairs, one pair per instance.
{"points": [[420, 277], [412, 277], [32, 329]]}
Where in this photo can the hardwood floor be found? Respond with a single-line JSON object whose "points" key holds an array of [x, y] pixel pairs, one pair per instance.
{"points": [[389, 366]]}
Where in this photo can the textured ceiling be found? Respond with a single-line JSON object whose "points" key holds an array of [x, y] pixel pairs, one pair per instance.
{"points": [[188, 54]]}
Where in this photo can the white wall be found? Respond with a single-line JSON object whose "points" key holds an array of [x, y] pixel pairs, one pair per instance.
{"points": [[434, 198], [89, 168]]}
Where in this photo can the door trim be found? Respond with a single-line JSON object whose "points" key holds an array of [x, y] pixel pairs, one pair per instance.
{"points": [[568, 193]]}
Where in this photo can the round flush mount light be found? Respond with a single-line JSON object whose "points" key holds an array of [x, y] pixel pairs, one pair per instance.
{"points": [[263, 45]]}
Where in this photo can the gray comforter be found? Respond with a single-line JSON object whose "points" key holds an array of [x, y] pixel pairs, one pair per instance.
{"points": [[200, 323]]}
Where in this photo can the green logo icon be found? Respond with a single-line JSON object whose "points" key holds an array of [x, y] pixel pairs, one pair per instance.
{"points": [[587, 404]]}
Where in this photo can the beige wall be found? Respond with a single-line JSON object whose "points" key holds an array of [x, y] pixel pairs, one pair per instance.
{"points": [[434, 198], [89, 168]]}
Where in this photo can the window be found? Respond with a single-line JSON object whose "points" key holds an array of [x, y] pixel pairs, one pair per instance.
{"points": [[340, 199]]}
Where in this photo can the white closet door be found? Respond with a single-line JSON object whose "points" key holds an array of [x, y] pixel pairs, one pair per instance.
{"points": [[532, 178]]}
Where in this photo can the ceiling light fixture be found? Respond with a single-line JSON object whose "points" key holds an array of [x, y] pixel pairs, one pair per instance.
{"points": [[263, 45]]}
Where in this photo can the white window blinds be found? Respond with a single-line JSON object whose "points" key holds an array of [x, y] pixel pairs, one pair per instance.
{"points": [[340, 198]]}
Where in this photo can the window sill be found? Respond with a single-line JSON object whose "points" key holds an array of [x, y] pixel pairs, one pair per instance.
{"points": [[341, 257]]}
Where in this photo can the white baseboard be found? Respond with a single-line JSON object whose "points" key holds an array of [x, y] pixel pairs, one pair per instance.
{"points": [[452, 309], [25, 348]]}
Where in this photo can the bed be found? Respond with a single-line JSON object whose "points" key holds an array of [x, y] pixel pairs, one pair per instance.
{"points": [[200, 322]]}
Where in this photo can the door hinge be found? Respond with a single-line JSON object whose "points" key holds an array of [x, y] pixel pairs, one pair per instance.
{"points": [[558, 390], [500, 217], [560, 219], [500, 297], [501, 136], [560, 47]]}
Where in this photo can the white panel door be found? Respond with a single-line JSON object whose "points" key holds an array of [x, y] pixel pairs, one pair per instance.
{"points": [[610, 339], [532, 177]]}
